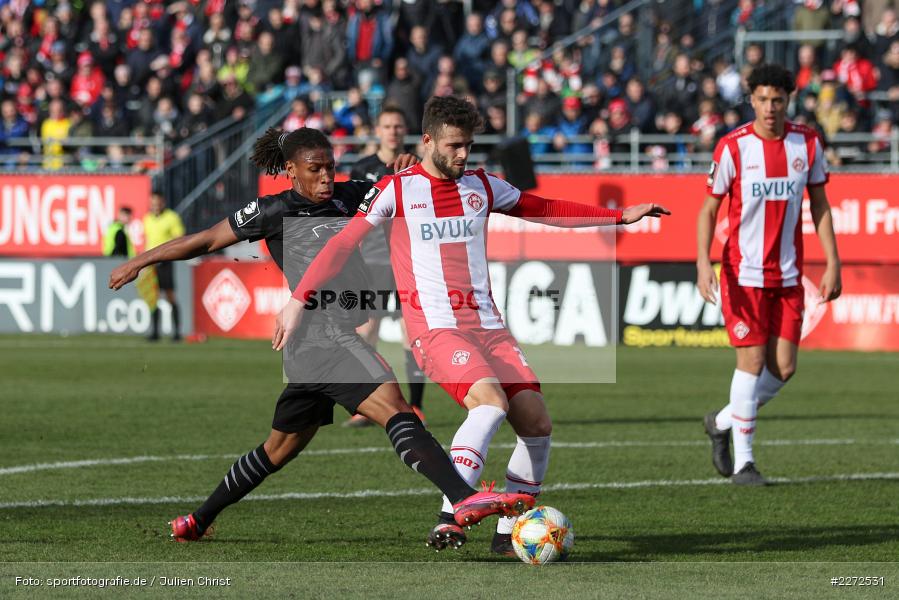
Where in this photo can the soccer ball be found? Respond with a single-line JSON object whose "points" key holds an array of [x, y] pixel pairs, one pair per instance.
{"points": [[542, 535]]}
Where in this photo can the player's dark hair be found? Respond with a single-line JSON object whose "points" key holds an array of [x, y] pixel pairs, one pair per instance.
{"points": [[452, 111], [774, 76], [393, 109], [127, 210], [275, 147]]}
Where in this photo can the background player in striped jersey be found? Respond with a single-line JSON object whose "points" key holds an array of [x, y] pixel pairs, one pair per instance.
{"points": [[391, 130], [437, 212], [764, 166], [329, 349]]}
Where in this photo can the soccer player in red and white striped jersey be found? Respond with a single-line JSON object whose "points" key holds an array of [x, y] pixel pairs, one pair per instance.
{"points": [[765, 167], [437, 213]]}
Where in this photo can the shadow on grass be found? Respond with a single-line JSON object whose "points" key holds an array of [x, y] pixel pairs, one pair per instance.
{"points": [[722, 544]]}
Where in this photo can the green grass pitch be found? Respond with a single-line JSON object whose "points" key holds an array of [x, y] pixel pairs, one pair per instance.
{"points": [[147, 431]]}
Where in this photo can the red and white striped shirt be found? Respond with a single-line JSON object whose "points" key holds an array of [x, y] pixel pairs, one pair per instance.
{"points": [[437, 230], [766, 180], [438, 245]]}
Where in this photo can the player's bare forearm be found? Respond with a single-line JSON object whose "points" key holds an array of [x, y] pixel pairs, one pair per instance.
{"points": [[823, 219], [705, 226], [186, 247]]}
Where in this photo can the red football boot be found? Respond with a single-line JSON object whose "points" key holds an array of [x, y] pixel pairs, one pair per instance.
{"points": [[186, 529], [486, 503], [445, 535]]}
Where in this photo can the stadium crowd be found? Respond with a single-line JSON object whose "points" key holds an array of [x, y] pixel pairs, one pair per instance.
{"points": [[148, 68]]}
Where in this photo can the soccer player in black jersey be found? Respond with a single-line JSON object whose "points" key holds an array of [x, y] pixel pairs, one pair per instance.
{"points": [[330, 341], [391, 129]]}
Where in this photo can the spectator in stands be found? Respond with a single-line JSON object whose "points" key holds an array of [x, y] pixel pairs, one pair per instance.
{"points": [[534, 127], [812, 16], [496, 123], [494, 93], [754, 56], [12, 125], [854, 36], [553, 24], [25, 104], [681, 93], [144, 122], [324, 47], [266, 68], [301, 115], [746, 16], [87, 83], [369, 38], [115, 240], [808, 66], [886, 32], [165, 119], [572, 123], [544, 102], [237, 66], [235, 102], [621, 64], [523, 14], [423, 57], [640, 106], [585, 14], [472, 50], [857, 74], [197, 118], [728, 81], [732, 120], [104, 46], [708, 126], [521, 54], [708, 90], [499, 57], [54, 131], [663, 54], [620, 124], [830, 110], [60, 66], [205, 82], [286, 40], [404, 93], [110, 124], [849, 151], [354, 113], [140, 58], [217, 39], [889, 78]]}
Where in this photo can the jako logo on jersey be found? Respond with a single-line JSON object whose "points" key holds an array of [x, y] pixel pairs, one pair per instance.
{"points": [[418, 205], [798, 165], [475, 201], [448, 229], [741, 330], [780, 189], [460, 357]]}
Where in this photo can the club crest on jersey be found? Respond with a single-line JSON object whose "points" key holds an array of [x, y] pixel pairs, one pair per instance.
{"points": [[798, 165], [741, 330], [460, 357], [247, 213], [340, 205], [475, 201], [368, 199]]}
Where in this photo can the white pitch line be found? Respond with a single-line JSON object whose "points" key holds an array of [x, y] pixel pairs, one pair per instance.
{"points": [[102, 462], [611, 485]]}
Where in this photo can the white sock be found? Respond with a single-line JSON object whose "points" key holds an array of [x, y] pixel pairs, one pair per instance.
{"points": [[524, 475], [744, 406], [767, 387], [470, 444]]}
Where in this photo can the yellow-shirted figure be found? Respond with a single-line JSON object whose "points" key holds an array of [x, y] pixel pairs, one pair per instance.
{"points": [[116, 241], [163, 225]]}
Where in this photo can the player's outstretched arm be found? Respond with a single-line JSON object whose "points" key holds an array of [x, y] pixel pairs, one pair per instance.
{"points": [[706, 280], [831, 282], [326, 265], [562, 213], [209, 240]]}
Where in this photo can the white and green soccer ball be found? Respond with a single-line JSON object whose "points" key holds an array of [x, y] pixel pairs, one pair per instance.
{"points": [[542, 535]]}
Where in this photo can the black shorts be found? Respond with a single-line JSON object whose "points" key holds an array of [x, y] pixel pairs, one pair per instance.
{"points": [[165, 274], [327, 367], [381, 279]]}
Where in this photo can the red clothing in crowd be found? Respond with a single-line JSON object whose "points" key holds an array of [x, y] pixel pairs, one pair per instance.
{"points": [[86, 88]]}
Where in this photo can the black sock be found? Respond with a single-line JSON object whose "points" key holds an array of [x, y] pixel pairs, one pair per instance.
{"points": [[245, 475], [154, 332], [416, 380], [421, 453], [176, 321]]}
